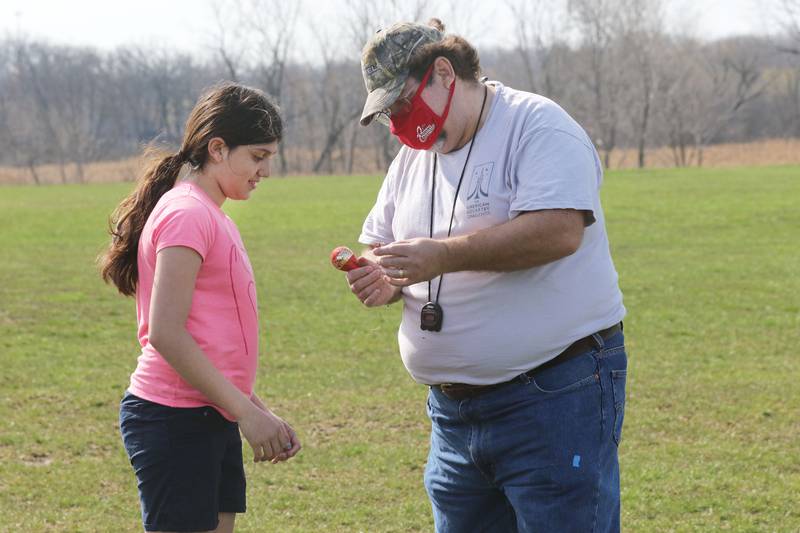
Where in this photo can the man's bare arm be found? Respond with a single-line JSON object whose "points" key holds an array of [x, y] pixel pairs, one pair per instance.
{"points": [[532, 239]]}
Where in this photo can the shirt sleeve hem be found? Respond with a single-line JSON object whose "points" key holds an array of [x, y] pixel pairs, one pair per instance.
{"points": [[589, 217], [184, 243], [370, 239]]}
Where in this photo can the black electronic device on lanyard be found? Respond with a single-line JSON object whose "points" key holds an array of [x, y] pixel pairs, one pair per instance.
{"points": [[431, 317], [432, 314]]}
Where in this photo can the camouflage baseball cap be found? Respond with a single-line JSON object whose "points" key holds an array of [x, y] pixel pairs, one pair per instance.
{"points": [[384, 63]]}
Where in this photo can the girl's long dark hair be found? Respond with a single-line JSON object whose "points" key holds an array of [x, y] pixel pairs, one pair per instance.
{"points": [[238, 114]]}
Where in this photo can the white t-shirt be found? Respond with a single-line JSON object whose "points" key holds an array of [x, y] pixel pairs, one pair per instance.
{"points": [[529, 155]]}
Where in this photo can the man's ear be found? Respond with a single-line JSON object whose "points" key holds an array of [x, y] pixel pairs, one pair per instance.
{"points": [[444, 70]]}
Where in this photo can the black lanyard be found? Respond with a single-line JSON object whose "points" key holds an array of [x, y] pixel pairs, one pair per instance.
{"points": [[432, 314]]}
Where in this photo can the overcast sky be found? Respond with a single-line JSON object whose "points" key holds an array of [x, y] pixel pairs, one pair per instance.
{"points": [[185, 24]]}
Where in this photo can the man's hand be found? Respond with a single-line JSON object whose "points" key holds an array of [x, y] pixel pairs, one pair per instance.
{"points": [[370, 285], [413, 261]]}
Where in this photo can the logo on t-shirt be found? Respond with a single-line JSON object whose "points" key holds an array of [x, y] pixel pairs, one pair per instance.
{"points": [[478, 204]]}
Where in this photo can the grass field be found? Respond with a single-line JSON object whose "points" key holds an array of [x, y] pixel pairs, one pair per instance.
{"points": [[708, 263]]}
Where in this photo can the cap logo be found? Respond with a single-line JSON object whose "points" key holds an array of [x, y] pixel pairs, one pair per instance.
{"points": [[424, 133], [371, 69]]}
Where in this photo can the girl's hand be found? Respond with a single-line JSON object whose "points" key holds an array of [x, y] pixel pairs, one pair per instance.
{"points": [[286, 454], [268, 435], [291, 452]]}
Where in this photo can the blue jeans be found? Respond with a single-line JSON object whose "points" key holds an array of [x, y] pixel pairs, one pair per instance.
{"points": [[537, 455]]}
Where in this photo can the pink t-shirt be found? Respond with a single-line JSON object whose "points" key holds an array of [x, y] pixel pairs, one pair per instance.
{"points": [[223, 319]]}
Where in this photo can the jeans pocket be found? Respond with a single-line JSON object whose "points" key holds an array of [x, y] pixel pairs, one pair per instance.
{"points": [[567, 376], [618, 378]]}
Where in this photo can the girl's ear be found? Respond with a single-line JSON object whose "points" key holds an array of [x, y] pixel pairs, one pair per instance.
{"points": [[217, 149]]}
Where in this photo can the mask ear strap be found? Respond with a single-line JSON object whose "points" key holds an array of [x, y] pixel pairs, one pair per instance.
{"points": [[449, 97], [424, 81]]}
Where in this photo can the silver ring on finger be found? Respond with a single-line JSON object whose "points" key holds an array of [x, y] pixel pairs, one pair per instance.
{"points": [[401, 273]]}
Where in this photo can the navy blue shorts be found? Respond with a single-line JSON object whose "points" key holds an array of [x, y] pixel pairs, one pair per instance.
{"points": [[188, 464]]}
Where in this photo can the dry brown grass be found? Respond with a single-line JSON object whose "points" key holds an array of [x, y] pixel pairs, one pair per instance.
{"points": [[754, 154], [100, 172], [759, 153]]}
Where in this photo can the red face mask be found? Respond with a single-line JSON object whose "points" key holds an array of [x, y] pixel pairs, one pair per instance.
{"points": [[418, 127]]}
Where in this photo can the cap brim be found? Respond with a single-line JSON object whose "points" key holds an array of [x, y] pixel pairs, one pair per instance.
{"points": [[379, 99]]}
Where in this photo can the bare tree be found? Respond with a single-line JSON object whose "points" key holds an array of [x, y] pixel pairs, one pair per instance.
{"points": [[363, 19], [229, 54], [787, 16], [627, 80], [791, 103], [537, 31], [274, 24], [15, 134], [642, 38], [338, 98], [735, 81], [715, 83], [459, 16], [30, 94], [264, 33], [598, 24]]}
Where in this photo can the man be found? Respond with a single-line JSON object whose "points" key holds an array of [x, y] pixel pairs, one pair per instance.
{"points": [[489, 227]]}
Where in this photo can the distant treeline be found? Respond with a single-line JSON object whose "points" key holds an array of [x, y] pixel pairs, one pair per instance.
{"points": [[628, 81]]}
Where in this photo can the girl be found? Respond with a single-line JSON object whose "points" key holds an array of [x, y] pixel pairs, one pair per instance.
{"points": [[177, 252]]}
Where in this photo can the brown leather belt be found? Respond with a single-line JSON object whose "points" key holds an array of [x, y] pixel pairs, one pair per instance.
{"points": [[462, 391]]}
